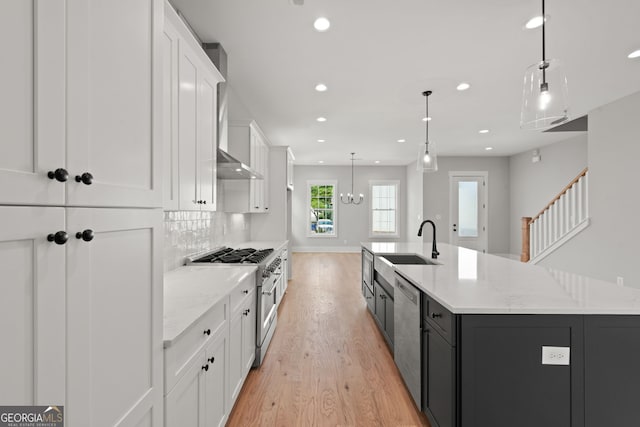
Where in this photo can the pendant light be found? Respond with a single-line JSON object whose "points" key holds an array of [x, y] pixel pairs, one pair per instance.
{"points": [[427, 157], [350, 199], [545, 92]]}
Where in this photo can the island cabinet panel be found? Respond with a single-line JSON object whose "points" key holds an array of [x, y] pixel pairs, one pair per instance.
{"points": [[612, 371], [503, 381]]}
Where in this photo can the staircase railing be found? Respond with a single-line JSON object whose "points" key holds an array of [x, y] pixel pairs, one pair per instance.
{"points": [[564, 216]]}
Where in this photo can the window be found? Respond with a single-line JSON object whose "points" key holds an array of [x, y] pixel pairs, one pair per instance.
{"points": [[384, 208], [322, 209]]}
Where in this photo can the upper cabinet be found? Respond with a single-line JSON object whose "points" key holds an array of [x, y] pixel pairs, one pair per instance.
{"points": [[290, 160], [189, 111], [79, 127], [249, 145]]}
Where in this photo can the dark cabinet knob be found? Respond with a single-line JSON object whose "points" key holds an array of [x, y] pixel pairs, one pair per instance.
{"points": [[59, 238], [246, 312], [246, 291], [86, 178], [205, 367], [266, 209], [59, 174], [204, 202], [257, 207], [211, 359], [436, 315], [207, 331], [199, 202], [86, 235]]}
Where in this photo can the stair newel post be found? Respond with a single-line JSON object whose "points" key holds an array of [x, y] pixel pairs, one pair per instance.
{"points": [[525, 255]]}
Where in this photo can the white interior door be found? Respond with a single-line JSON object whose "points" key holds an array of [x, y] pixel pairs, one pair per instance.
{"points": [[468, 213]]}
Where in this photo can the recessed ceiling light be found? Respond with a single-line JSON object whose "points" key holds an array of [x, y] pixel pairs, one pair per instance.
{"points": [[488, 148], [238, 170], [634, 54], [253, 177], [321, 119], [401, 140], [534, 22], [463, 86], [483, 131], [321, 87], [377, 161], [320, 161], [321, 140], [321, 24], [426, 119]]}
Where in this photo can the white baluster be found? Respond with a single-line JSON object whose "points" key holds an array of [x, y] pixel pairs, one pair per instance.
{"points": [[586, 194], [555, 221], [562, 214], [532, 240], [580, 199]]}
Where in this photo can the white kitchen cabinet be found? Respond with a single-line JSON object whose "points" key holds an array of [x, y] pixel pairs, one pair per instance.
{"points": [[77, 98], [32, 105], [114, 316], [190, 85], [285, 270], [32, 319], [290, 159], [242, 339], [249, 145]]}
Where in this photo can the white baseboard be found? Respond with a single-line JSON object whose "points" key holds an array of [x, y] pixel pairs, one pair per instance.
{"points": [[336, 249]]}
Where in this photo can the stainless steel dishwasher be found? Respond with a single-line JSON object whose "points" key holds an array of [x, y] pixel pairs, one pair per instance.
{"points": [[407, 333]]}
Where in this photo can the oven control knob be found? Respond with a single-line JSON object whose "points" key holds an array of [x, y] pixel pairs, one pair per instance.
{"points": [[266, 273]]}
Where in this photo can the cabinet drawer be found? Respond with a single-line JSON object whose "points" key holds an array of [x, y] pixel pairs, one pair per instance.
{"points": [[241, 292], [440, 318], [178, 357]]}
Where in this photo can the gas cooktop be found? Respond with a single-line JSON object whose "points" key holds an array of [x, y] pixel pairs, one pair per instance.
{"points": [[236, 256]]}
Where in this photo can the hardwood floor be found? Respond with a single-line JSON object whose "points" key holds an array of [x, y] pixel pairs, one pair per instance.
{"points": [[328, 364]]}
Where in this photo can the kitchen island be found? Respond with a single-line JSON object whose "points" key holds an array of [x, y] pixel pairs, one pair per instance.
{"points": [[505, 343]]}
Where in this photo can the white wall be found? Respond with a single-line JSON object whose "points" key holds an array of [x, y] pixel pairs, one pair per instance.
{"points": [[353, 220], [413, 217], [533, 185], [436, 198], [609, 246]]}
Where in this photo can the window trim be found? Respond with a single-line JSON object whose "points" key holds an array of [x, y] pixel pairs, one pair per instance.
{"points": [[372, 183], [308, 232]]}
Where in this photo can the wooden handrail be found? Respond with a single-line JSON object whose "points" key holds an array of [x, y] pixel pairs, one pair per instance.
{"points": [[564, 190]]}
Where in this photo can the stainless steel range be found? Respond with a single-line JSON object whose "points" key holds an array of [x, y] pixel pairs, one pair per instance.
{"points": [[269, 263]]}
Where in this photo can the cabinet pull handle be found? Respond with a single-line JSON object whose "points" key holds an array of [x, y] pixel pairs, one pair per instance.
{"points": [[207, 331], [60, 175], [86, 178], [86, 235], [435, 315], [245, 291], [257, 207], [204, 202], [205, 367], [211, 359], [60, 237]]}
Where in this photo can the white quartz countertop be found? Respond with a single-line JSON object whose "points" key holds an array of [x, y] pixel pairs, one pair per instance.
{"points": [[189, 292], [467, 281]]}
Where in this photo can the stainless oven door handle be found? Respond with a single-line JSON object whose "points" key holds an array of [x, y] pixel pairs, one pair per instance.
{"points": [[273, 288]]}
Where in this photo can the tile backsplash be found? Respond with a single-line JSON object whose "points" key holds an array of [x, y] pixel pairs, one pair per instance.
{"points": [[186, 233]]}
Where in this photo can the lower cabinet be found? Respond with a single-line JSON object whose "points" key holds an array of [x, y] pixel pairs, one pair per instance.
{"points": [[383, 312], [199, 397], [369, 298], [242, 339], [438, 378]]}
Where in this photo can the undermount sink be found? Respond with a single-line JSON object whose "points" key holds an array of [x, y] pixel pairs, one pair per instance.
{"points": [[409, 259]]}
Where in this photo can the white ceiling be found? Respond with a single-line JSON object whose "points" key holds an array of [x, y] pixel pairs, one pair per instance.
{"points": [[379, 55]]}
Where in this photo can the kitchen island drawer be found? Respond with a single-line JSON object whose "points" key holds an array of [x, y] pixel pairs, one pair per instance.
{"points": [[186, 347], [440, 318]]}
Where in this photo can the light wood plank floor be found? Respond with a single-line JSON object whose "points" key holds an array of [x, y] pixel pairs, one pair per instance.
{"points": [[328, 364]]}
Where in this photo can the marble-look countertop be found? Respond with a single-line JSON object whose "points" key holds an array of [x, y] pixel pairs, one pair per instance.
{"points": [[189, 292], [467, 281]]}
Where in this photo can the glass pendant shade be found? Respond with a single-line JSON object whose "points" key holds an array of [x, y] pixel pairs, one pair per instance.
{"points": [[427, 158], [544, 96]]}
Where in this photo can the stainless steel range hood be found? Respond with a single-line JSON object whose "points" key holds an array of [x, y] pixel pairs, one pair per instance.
{"points": [[228, 166]]}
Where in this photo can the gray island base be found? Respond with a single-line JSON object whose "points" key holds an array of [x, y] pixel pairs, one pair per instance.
{"points": [[505, 344]]}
